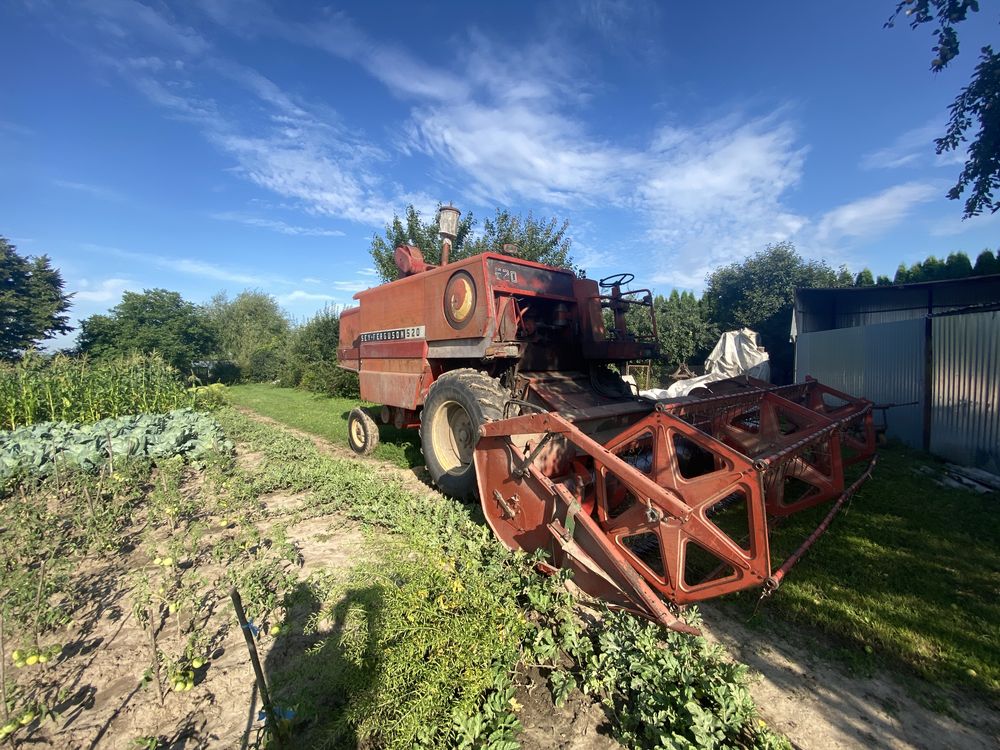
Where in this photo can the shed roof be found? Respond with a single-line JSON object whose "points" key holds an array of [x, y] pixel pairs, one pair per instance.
{"points": [[821, 309]]}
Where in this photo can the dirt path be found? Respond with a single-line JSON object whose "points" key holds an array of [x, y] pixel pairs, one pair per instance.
{"points": [[818, 705]]}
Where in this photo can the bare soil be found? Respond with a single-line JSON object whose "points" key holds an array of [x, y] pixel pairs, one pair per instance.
{"points": [[817, 704], [579, 724], [106, 653]]}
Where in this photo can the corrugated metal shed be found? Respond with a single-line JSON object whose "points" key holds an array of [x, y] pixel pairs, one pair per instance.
{"points": [[932, 348], [965, 418]]}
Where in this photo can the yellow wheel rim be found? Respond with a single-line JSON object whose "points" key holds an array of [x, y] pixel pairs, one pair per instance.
{"points": [[454, 436]]}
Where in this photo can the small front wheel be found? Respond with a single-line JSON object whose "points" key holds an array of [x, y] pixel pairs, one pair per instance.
{"points": [[362, 432]]}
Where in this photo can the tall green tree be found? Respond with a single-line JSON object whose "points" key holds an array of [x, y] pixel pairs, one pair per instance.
{"points": [[542, 240], [33, 305], [986, 263], [155, 320], [684, 332], [759, 292], [251, 330], [864, 278], [976, 109], [932, 268]]}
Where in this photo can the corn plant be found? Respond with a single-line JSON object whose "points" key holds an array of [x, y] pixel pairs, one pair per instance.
{"points": [[69, 389]]}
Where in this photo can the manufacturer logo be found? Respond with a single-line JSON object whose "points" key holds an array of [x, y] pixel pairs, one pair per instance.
{"points": [[393, 334]]}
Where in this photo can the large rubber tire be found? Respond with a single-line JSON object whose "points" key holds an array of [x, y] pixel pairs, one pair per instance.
{"points": [[362, 432], [457, 404]]}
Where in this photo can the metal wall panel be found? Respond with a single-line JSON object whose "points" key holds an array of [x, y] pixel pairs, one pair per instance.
{"points": [[965, 414], [885, 363]]}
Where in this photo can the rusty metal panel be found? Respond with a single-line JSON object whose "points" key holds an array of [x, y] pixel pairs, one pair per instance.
{"points": [[965, 414], [884, 363]]}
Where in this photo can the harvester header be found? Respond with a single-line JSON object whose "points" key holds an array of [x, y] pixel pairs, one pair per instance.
{"points": [[510, 369]]}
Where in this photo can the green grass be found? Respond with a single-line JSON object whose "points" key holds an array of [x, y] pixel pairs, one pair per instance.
{"points": [[325, 416], [908, 576]]}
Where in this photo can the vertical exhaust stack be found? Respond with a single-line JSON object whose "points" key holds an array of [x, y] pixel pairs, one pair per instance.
{"points": [[447, 229]]}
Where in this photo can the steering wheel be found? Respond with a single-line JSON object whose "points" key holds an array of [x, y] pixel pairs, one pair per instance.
{"points": [[615, 280]]}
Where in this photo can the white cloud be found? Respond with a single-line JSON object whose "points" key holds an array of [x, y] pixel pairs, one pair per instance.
{"points": [[95, 191], [191, 266], [955, 225], [276, 225], [875, 214], [302, 296], [914, 147], [209, 270], [126, 20], [16, 129], [502, 125], [311, 280], [106, 291], [715, 194], [282, 144]]}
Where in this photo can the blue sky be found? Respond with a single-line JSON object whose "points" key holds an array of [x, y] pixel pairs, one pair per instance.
{"points": [[255, 144]]}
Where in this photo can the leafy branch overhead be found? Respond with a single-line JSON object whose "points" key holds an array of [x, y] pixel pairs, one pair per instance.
{"points": [[978, 104]]}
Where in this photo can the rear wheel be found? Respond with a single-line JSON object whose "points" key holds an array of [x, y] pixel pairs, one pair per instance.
{"points": [[362, 432], [457, 404]]}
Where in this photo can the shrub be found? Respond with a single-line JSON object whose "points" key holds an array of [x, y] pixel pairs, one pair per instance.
{"points": [[312, 358]]}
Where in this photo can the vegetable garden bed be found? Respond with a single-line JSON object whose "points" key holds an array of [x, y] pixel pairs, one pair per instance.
{"points": [[387, 617]]}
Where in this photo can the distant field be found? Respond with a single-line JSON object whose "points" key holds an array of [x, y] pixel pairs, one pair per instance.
{"points": [[325, 416]]}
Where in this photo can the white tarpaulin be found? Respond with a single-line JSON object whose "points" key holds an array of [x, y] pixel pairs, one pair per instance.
{"points": [[737, 353]]}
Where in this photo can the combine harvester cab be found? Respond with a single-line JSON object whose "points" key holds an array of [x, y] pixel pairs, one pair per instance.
{"points": [[504, 365]]}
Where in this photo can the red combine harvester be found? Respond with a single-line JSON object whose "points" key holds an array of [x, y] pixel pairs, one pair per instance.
{"points": [[504, 365]]}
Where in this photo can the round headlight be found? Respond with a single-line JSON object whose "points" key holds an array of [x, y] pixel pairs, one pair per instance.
{"points": [[459, 299]]}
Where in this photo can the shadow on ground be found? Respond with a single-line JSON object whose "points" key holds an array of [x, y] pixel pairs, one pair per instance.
{"points": [[325, 662]]}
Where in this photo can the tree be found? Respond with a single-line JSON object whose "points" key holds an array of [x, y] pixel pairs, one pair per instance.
{"points": [[883, 280], [155, 320], [32, 303], [251, 330], [864, 278], [540, 240], [957, 266], [412, 230], [685, 334], [759, 292], [977, 104], [312, 358], [986, 263]]}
